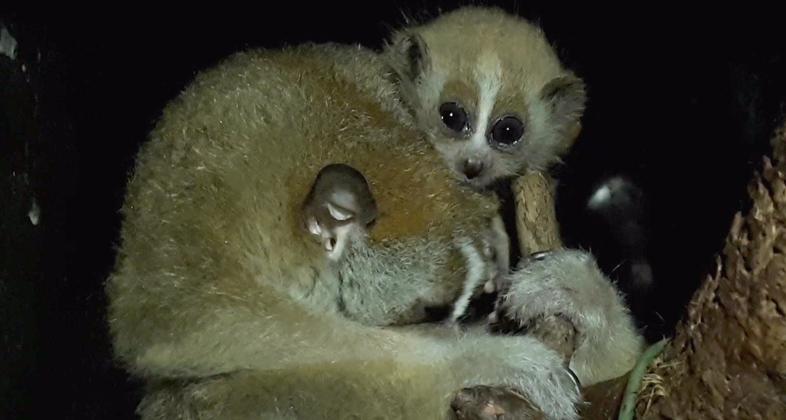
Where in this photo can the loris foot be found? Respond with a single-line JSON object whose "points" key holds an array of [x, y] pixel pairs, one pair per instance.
{"points": [[493, 403], [557, 332], [554, 330]]}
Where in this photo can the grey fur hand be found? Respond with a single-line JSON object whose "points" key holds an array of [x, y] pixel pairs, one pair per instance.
{"points": [[568, 284]]}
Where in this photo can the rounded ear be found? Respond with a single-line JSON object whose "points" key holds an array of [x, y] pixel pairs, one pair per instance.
{"points": [[407, 55], [565, 98]]}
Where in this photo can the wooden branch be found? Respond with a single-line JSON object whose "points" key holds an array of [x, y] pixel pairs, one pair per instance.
{"points": [[536, 220], [538, 229]]}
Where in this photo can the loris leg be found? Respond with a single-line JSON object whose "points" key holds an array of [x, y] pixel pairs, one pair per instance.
{"points": [[339, 208], [555, 331], [562, 299], [430, 386], [566, 285], [493, 403]]}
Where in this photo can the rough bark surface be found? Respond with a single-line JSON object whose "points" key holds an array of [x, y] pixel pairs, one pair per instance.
{"points": [[603, 400], [728, 358]]}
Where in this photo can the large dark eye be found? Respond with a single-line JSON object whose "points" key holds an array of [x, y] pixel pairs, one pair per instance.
{"points": [[507, 130], [453, 116]]}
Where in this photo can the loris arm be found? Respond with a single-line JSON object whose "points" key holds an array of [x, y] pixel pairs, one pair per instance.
{"points": [[410, 368], [359, 389], [568, 283]]}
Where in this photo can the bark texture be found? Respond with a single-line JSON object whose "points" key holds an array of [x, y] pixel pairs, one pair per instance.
{"points": [[728, 356]]}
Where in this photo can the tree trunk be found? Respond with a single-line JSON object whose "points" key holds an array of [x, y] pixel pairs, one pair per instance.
{"points": [[728, 356]]}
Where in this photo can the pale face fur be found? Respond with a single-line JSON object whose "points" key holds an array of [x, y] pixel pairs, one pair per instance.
{"points": [[499, 71]]}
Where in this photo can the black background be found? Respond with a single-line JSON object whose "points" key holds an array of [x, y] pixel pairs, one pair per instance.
{"points": [[681, 101]]}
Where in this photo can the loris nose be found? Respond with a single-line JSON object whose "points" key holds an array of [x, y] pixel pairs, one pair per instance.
{"points": [[472, 168]]}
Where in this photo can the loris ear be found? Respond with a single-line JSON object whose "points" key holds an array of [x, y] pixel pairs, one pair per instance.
{"points": [[407, 55], [565, 98]]}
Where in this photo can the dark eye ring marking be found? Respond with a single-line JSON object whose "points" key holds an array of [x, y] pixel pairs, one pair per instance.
{"points": [[506, 131], [454, 116]]}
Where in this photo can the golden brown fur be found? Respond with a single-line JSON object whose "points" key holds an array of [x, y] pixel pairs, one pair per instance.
{"points": [[226, 307]]}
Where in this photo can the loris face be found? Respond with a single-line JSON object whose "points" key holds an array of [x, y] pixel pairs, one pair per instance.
{"points": [[479, 128], [489, 93]]}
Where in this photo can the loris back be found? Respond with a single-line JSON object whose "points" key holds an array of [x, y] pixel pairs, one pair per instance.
{"points": [[226, 306], [212, 210]]}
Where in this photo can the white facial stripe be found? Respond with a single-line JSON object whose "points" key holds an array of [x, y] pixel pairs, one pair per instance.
{"points": [[488, 78]]}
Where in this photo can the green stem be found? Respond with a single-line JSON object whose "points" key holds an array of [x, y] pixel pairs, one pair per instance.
{"points": [[636, 376]]}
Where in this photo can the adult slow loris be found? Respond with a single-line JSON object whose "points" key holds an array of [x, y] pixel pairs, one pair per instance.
{"points": [[226, 307]]}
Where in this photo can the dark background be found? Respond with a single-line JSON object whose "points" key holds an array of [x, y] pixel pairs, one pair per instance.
{"points": [[682, 103]]}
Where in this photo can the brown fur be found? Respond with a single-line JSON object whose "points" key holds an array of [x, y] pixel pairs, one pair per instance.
{"points": [[224, 305]]}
